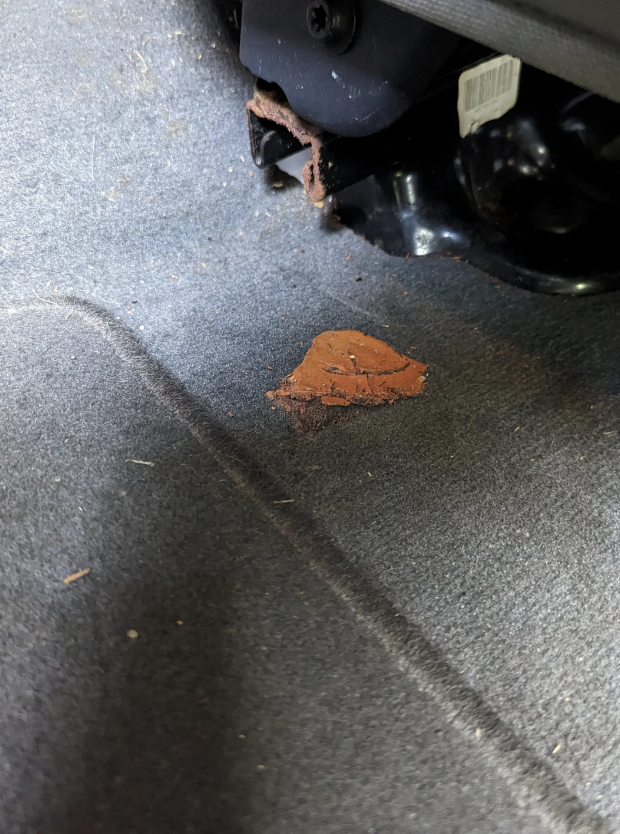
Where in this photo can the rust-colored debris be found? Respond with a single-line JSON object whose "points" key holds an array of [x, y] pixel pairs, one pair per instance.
{"points": [[267, 105], [346, 367], [74, 576]]}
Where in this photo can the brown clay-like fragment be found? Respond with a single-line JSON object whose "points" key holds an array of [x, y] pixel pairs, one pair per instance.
{"points": [[269, 105], [346, 367]]}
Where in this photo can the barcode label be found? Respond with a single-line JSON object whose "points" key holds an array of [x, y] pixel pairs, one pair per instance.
{"points": [[487, 91], [490, 84]]}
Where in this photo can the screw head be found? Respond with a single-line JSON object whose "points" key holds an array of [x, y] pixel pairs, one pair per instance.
{"points": [[331, 22], [320, 19]]}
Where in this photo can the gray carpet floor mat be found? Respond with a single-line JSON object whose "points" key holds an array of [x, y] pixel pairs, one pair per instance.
{"points": [[251, 699], [483, 514]]}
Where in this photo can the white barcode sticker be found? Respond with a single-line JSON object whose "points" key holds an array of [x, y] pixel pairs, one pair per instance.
{"points": [[487, 91]]}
